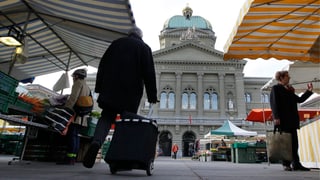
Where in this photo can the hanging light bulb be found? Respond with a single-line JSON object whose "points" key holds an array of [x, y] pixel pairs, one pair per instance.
{"points": [[19, 50], [22, 53]]}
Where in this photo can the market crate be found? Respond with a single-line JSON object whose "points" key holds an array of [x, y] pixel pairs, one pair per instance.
{"points": [[5, 100], [23, 105], [8, 84], [89, 130], [240, 145]]}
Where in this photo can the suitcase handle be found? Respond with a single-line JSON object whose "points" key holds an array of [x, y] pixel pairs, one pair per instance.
{"points": [[150, 110]]}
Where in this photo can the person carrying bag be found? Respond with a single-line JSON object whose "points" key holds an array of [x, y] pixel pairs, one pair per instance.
{"points": [[279, 145], [283, 103], [80, 94]]}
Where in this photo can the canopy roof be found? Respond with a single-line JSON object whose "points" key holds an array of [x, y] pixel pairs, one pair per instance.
{"points": [[262, 115], [286, 29], [229, 129], [61, 35]]}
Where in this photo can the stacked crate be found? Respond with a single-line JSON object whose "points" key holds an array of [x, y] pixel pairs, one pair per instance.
{"points": [[8, 95]]}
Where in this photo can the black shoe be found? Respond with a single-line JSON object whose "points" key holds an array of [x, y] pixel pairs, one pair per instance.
{"points": [[90, 157], [301, 168], [287, 168]]}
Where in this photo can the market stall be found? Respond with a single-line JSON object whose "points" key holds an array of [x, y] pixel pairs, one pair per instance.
{"points": [[231, 151], [309, 143]]}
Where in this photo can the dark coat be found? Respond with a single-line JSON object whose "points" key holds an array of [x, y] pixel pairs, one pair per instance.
{"points": [[125, 68], [283, 104]]}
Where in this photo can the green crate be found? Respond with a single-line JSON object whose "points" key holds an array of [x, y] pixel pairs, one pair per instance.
{"points": [[240, 145], [89, 130], [5, 100], [23, 105], [8, 84]]}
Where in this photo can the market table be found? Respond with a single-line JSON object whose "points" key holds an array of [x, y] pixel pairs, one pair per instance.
{"points": [[31, 129]]}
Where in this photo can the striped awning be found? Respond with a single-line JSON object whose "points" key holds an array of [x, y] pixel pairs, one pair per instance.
{"points": [[309, 144], [281, 29], [61, 35]]}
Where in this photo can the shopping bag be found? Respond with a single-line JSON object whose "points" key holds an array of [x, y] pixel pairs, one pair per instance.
{"points": [[84, 105], [279, 145], [60, 118]]}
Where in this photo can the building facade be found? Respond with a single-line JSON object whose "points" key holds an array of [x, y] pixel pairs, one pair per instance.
{"points": [[197, 89]]}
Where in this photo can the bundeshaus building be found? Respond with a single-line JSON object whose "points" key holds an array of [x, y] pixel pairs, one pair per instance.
{"points": [[197, 89]]}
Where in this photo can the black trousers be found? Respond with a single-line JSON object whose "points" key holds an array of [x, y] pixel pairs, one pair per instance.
{"points": [[108, 116]]}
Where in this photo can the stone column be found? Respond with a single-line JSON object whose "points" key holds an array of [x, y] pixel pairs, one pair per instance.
{"points": [[222, 95], [200, 94], [156, 106], [178, 94], [240, 103]]}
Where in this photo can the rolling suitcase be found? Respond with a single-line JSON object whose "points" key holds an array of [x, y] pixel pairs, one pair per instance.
{"points": [[133, 145]]}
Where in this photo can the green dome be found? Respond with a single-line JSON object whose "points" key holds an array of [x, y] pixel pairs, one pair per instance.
{"points": [[182, 22]]}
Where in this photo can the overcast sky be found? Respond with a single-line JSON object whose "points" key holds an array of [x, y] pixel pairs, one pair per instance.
{"points": [[150, 16]]}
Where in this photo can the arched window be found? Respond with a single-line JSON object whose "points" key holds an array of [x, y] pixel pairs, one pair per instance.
{"points": [[171, 100], [247, 97], [210, 99], [214, 101], [189, 99], [163, 100], [167, 98], [206, 101], [193, 100], [264, 98], [184, 101]]}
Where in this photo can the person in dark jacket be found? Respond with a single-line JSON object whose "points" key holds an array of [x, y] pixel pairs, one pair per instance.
{"points": [[283, 102], [124, 70]]}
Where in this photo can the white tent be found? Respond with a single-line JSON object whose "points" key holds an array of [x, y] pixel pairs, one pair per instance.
{"points": [[229, 129]]}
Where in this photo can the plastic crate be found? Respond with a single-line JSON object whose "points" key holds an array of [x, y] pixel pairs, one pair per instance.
{"points": [[8, 84], [240, 145], [89, 130], [5, 100], [23, 105]]}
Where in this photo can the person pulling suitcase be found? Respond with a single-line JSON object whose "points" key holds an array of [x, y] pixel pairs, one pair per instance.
{"points": [[124, 70]]}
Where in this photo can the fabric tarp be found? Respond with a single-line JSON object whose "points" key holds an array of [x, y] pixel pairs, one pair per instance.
{"points": [[309, 141], [286, 29], [61, 35], [263, 115], [229, 129]]}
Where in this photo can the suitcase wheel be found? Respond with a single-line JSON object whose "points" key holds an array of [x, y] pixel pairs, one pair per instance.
{"points": [[113, 169], [150, 167]]}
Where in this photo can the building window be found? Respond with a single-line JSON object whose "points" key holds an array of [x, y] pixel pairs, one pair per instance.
{"points": [[193, 101], [264, 98], [247, 97], [163, 100], [167, 98], [171, 100], [189, 99], [206, 101], [210, 99], [214, 101], [184, 101]]}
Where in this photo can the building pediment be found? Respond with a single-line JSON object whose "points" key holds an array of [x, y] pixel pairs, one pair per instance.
{"points": [[188, 52]]}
